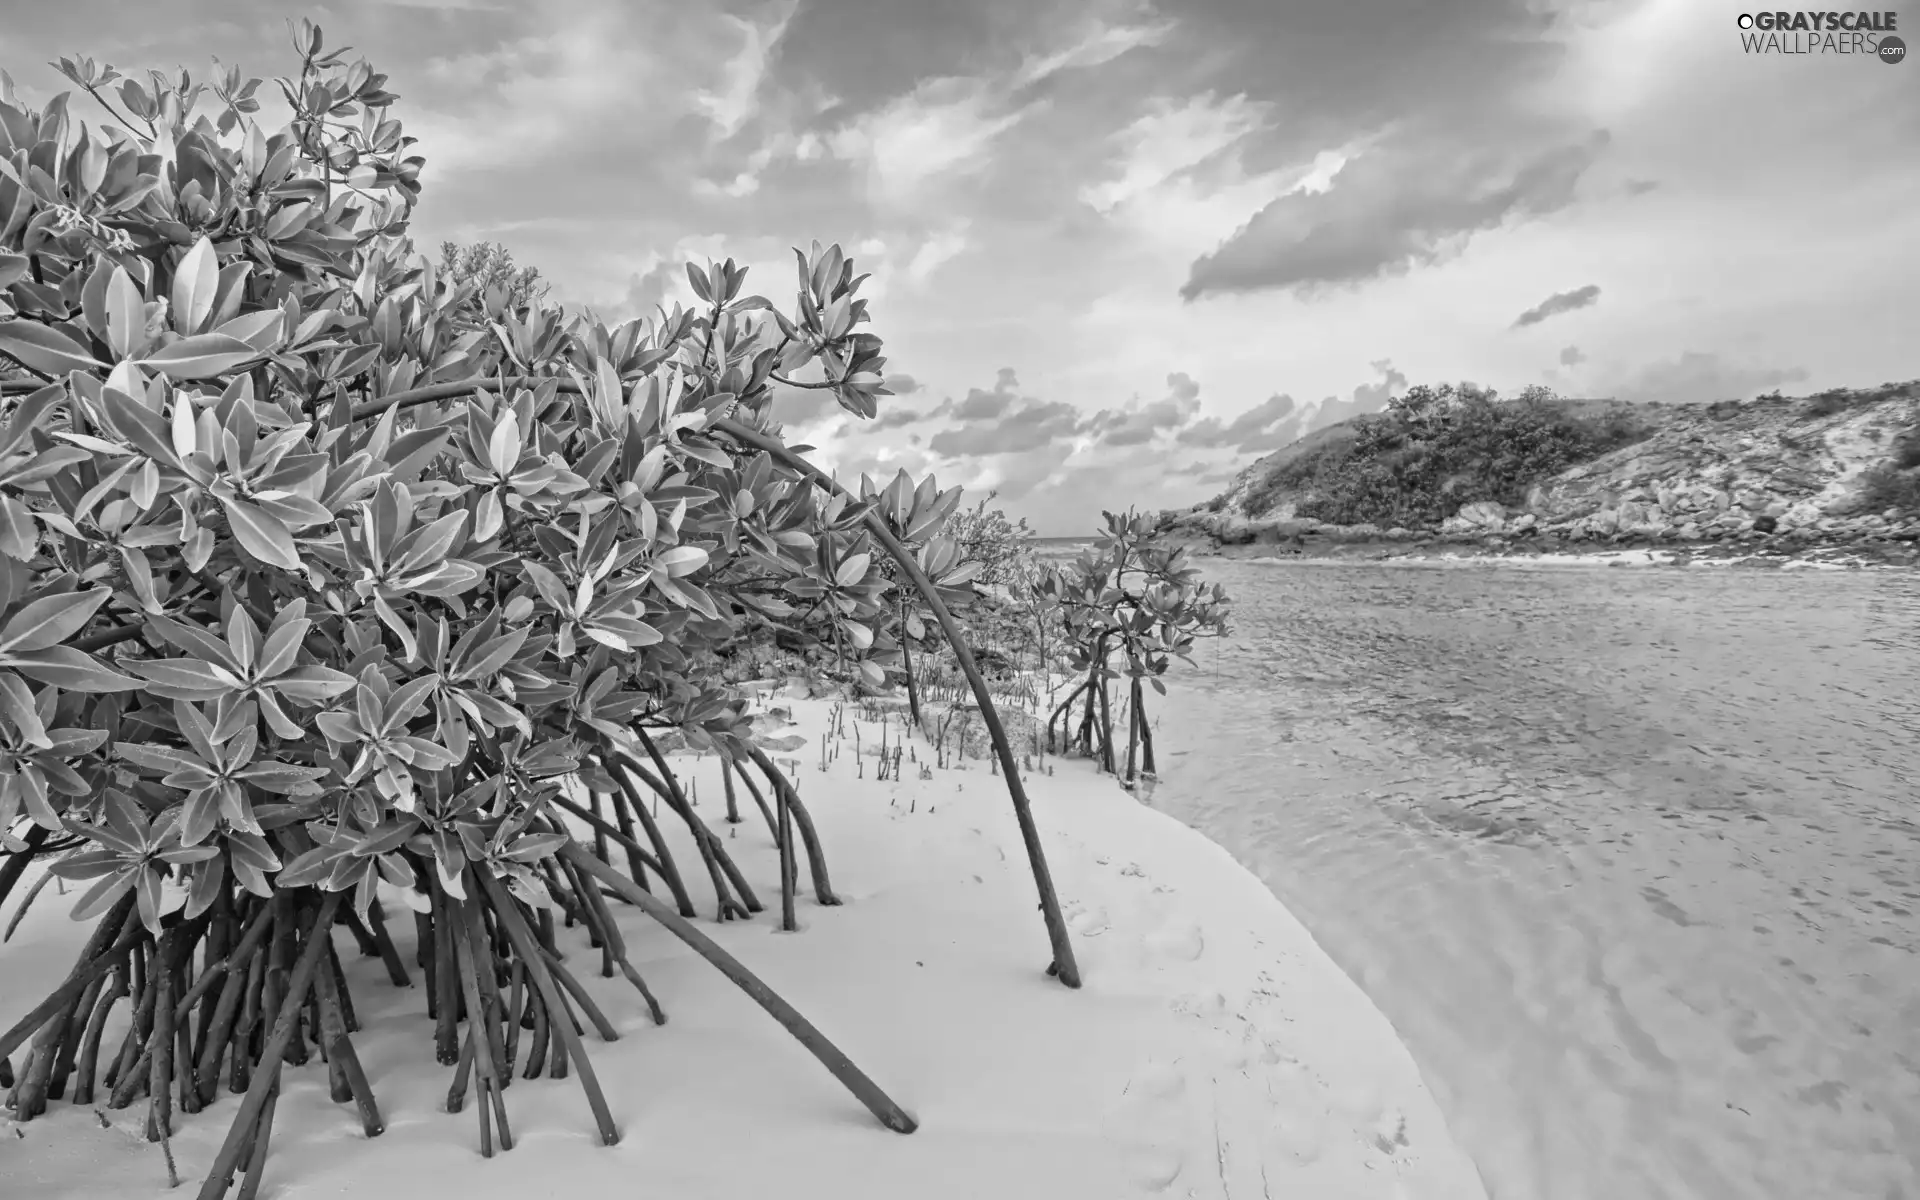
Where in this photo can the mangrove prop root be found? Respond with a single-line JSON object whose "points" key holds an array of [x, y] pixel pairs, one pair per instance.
{"points": [[636, 861], [789, 869], [525, 947], [773, 827], [618, 943], [580, 996], [271, 1057], [479, 1049], [629, 800], [838, 1064], [669, 790], [383, 943], [89, 967], [623, 837], [726, 782], [816, 858], [86, 1067], [1062, 710], [14, 864], [343, 1062]]}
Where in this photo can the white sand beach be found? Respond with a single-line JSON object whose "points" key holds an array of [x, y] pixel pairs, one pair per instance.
{"points": [[1214, 1051]]}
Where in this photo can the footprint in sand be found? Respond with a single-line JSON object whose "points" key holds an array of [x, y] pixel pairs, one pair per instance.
{"points": [[1147, 1124], [1297, 1130], [1205, 1005], [1087, 922], [1178, 942]]}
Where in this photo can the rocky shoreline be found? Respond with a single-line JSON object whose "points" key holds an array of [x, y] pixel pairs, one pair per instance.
{"points": [[1683, 530]]}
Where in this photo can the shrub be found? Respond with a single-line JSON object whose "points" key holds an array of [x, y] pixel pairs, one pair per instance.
{"points": [[1134, 598], [1887, 487], [321, 571]]}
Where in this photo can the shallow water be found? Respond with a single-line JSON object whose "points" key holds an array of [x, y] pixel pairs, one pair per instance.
{"points": [[1631, 858]]}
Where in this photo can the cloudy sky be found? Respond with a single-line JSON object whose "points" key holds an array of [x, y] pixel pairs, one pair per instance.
{"points": [[1121, 249]]}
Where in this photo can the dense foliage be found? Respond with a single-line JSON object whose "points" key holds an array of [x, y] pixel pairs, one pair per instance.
{"points": [[1434, 450], [1126, 608], [329, 580]]}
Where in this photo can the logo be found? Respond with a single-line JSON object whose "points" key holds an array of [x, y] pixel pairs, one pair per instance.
{"points": [[1868, 34]]}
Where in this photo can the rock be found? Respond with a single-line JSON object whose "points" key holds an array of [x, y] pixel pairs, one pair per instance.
{"points": [[1235, 531], [1484, 512]]}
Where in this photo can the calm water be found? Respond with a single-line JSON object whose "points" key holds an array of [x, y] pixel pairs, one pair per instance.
{"points": [[1630, 857]]}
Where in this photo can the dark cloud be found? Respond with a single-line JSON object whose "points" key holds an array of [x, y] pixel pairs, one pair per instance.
{"points": [[1698, 376], [1571, 356], [1559, 302], [1435, 100], [902, 384], [1255, 429], [1640, 187], [1405, 203], [1002, 421]]}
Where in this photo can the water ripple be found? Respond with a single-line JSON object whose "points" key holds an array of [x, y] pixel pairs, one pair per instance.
{"points": [[1631, 858]]}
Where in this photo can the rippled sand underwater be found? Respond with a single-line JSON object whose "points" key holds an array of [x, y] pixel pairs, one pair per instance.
{"points": [[1631, 858]]}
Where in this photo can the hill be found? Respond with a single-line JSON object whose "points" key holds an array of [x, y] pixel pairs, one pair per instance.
{"points": [[1840, 465]]}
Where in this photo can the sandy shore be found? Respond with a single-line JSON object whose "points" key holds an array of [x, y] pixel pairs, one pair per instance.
{"points": [[1215, 1050]]}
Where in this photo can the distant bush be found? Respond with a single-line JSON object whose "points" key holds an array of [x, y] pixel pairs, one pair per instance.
{"points": [[1002, 546], [489, 265], [1125, 609], [1896, 482], [1906, 451], [1827, 403], [1888, 486], [1435, 449]]}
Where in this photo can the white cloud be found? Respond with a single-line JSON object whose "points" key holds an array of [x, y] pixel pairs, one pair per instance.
{"points": [[733, 102], [1173, 137], [942, 128], [941, 248], [1104, 44]]}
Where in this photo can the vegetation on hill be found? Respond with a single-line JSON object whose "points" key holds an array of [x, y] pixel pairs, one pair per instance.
{"points": [[1895, 483], [1435, 449]]}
